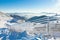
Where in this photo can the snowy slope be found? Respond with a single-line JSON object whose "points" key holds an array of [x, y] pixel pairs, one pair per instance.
{"points": [[3, 19]]}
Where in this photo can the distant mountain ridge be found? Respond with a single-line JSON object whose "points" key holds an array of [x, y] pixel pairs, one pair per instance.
{"points": [[42, 19], [18, 16]]}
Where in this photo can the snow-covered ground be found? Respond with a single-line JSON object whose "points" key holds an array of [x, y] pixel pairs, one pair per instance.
{"points": [[29, 27], [54, 39]]}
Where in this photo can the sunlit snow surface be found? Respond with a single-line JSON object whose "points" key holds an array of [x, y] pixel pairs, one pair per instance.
{"points": [[13, 28]]}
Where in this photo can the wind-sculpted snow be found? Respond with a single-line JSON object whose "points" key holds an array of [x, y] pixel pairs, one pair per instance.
{"points": [[13, 35]]}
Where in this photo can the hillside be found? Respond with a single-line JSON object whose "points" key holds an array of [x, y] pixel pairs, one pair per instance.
{"points": [[3, 19]]}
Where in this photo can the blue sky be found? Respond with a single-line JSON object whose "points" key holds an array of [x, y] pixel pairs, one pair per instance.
{"points": [[25, 5]]}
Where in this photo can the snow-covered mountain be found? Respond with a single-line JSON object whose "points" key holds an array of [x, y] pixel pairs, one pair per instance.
{"points": [[42, 19], [21, 26], [32, 17]]}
